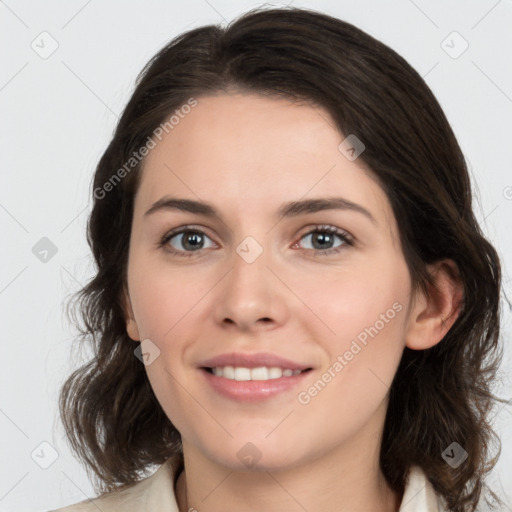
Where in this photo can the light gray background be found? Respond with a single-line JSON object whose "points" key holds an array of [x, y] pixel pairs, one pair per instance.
{"points": [[58, 114]]}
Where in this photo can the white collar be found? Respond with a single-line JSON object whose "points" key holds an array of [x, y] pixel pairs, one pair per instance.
{"points": [[419, 495], [156, 493]]}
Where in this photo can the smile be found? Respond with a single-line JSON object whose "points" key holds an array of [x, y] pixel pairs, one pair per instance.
{"points": [[261, 373], [242, 385]]}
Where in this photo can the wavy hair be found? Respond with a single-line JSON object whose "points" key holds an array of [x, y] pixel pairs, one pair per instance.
{"points": [[114, 423]]}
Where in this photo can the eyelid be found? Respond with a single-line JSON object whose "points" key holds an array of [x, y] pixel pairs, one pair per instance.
{"points": [[328, 228], [187, 227]]}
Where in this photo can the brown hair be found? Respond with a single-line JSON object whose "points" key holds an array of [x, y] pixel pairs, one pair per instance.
{"points": [[441, 395]]}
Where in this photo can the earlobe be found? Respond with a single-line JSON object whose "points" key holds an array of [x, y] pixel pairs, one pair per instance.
{"points": [[131, 325], [433, 314], [132, 329]]}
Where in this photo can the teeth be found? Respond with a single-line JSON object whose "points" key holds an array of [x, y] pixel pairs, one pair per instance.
{"points": [[261, 373], [275, 373], [242, 374], [228, 372]]}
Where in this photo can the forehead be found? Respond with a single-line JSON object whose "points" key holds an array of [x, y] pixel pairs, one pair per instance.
{"points": [[234, 147]]}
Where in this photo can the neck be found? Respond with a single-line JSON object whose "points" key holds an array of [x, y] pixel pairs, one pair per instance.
{"points": [[321, 484]]}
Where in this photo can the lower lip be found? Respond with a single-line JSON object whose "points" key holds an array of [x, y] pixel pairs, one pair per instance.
{"points": [[252, 390]]}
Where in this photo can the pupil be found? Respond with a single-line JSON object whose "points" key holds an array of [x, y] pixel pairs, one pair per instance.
{"points": [[322, 237], [193, 236]]}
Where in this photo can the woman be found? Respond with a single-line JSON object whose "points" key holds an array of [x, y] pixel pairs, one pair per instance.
{"points": [[294, 308]]}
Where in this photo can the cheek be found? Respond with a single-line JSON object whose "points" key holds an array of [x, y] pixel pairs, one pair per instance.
{"points": [[170, 387], [362, 356], [360, 304], [366, 319], [162, 299], [166, 307]]}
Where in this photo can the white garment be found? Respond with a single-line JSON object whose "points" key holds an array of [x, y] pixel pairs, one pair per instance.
{"points": [[156, 494]]}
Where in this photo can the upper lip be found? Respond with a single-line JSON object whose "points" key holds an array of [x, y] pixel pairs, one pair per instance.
{"points": [[252, 361]]}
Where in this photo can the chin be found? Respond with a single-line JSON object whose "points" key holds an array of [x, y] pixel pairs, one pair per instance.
{"points": [[242, 454]]}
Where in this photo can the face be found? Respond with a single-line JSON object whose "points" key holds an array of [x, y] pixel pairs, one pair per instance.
{"points": [[326, 290]]}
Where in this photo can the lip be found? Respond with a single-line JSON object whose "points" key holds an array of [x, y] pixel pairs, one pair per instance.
{"points": [[253, 361], [252, 390]]}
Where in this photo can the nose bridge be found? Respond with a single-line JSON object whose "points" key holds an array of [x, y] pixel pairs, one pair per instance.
{"points": [[250, 291], [249, 274]]}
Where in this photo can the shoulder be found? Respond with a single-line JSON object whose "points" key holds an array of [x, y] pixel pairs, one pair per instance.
{"points": [[154, 493]]}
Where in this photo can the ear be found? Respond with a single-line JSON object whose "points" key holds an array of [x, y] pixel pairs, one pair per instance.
{"points": [[433, 315], [131, 324]]}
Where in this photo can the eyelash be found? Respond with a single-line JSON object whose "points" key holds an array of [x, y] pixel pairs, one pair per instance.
{"points": [[343, 235]]}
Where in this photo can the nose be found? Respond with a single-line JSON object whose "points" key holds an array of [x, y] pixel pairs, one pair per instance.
{"points": [[251, 297]]}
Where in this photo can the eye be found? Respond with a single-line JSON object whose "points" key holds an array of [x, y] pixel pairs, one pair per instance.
{"points": [[185, 240], [322, 239]]}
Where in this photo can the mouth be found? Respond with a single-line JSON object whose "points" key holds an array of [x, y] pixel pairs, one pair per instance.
{"points": [[261, 373], [253, 385]]}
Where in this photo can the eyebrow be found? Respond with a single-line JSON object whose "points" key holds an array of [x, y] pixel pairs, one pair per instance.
{"points": [[291, 209]]}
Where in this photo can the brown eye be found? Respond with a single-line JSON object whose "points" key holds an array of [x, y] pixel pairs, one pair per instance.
{"points": [[185, 240], [323, 239], [190, 240]]}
